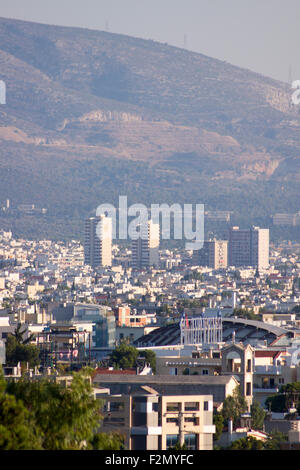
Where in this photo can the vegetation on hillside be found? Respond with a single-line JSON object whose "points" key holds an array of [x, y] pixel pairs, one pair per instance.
{"points": [[154, 122]]}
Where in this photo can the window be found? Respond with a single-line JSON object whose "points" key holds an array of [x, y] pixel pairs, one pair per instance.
{"points": [[249, 365], [171, 440], [116, 406], [206, 406], [174, 407], [248, 388], [190, 441], [172, 420], [216, 355], [191, 406], [155, 406], [193, 421], [117, 421], [204, 371]]}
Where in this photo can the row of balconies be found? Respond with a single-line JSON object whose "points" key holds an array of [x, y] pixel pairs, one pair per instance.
{"points": [[269, 369], [271, 391]]}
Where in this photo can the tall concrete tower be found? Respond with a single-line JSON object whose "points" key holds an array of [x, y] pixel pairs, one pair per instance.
{"points": [[145, 249], [249, 247], [98, 241], [213, 254]]}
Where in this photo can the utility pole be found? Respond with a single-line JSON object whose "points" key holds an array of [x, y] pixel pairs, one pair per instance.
{"points": [[181, 430]]}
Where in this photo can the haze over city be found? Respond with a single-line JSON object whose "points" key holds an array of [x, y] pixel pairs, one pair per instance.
{"points": [[150, 228], [261, 35]]}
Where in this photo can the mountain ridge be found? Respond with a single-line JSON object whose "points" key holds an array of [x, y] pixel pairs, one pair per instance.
{"points": [[79, 98]]}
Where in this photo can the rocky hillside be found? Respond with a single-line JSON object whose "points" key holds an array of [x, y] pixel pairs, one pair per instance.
{"points": [[90, 115]]}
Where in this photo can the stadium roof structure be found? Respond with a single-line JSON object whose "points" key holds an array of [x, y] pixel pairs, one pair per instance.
{"points": [[245, 331]]}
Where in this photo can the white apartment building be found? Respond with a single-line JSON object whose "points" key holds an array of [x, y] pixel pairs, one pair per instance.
{"points": [[145, 249], [249, 247], [98, 241]]}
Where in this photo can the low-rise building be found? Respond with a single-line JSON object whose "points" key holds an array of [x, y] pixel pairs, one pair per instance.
{"points": [[152, 420]]}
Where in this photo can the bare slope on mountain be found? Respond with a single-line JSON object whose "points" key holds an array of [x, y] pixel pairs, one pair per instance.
{"points": [[90, 115], [158, 80]]}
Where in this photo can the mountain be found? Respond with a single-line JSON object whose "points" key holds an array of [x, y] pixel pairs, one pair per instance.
{"points": [[92, 115]]}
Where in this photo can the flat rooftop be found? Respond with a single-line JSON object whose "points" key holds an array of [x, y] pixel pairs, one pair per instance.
{"points": [[164, 379]]}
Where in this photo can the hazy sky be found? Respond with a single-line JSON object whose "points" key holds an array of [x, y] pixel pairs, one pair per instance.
{"points": [[261, 35]]}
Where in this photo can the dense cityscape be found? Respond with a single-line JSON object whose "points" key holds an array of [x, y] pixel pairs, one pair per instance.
{"points": [[149, 229], [207, 324]]}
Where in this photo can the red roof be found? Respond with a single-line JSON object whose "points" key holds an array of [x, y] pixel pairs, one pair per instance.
{"points": [[267, 353]]}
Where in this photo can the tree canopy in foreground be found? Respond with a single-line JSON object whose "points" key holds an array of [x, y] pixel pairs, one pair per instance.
{"points": [[46, 415]]}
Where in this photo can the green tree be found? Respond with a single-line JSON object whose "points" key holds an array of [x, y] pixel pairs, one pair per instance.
{"points": [[247, 443], [110, 441], [291, 392], [258, 415], [17, 430], [45, 415], [218, 421], [19, 335], [288, 396], [66, 418], [275, 439], [244, 313], [19, 349], [150, 357], [233, 406], [124, 356], [19, 352], [276, 403]]}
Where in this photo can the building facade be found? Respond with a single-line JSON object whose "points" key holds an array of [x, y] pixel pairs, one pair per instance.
{"points": [[229, 360], [150, 420], [214, 254], [130, 318], [145, 249], [248, 247], [98, 241]]}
